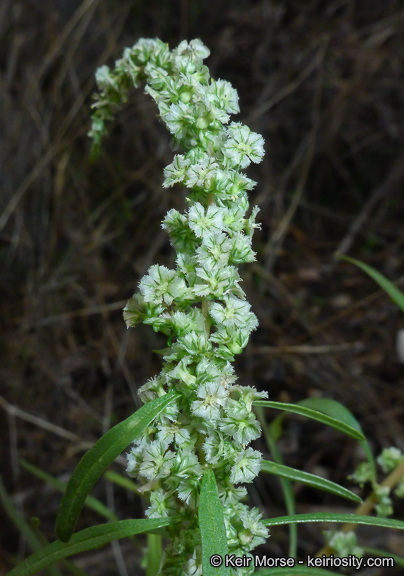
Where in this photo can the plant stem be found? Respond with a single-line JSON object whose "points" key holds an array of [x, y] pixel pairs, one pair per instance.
{"points": [[391, 481]]}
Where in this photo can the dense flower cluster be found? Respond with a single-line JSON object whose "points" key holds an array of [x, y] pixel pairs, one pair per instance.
{"points": [[200, 306], [344, 543]]}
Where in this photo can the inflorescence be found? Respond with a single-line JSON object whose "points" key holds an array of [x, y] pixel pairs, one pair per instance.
{"points": [[200, 306]]}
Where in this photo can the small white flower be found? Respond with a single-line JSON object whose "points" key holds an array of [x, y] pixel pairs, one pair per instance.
{"points": [[213, 397], [233, 218], [247, 465], [216, 281], [194, 51], [234, 312], [104, 78], [144, 49], [178, 118], [176, 171], [224, 97], [243, 146], [247, 395], [215, 248], [202, 223], [162, 285], [157, 460], [162, 504], [202, 173]]}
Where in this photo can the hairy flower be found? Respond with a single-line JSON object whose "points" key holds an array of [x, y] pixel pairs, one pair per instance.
{"points": [[157, 460], [202, 222], [176, 171], [224, 97], [234, 312], [162, 504], [162, 285], [202, 174], [214, 250], [212, 396], [247, 465], [242, 146], [254, 532], [241, 425]]}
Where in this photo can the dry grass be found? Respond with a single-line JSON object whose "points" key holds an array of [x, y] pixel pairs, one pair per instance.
{"points": [[324, 83]]}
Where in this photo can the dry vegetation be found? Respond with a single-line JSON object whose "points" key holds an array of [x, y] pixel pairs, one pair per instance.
{"points": [[323, 81]]}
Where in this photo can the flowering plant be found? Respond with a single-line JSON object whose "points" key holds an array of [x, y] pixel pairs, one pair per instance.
{"points": [[190, 442], [200, 305]]}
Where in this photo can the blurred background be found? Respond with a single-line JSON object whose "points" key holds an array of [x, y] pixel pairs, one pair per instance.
{"points": [[323, 82]]}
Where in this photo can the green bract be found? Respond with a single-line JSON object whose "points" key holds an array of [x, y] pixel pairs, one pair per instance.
{"points": [[200, 305]]}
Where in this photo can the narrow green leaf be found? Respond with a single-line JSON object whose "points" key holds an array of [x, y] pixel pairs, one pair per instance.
{"points": [[334, 517], [90, 501], [31, 536], [23, 527], [154, 554], [308, 479], [120, 480], [94, 462], [334, 409], [298, 570], [87, 539], [395, 294], [315, 415], [338, 411], [211, 523]]}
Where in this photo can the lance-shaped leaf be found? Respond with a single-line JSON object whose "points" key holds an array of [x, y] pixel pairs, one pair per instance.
{"points": [[338, 411], [335, 517], [87, 539], [154, 554], [395, 294], [94, 462], [271, 434], [315, 415], [211, 523], [308, 479]]}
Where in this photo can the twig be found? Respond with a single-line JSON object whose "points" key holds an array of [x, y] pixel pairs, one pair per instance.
{"points": [[288, 89], [305, 349], [391, 481], [15, 411], [391, 184], [101, 309]]}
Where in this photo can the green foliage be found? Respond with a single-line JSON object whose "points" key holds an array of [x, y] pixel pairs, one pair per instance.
{"points": [[349, 427], [308, 479], [94, 462], [335, 517], [190, 441], [84, 540], [213, 530], [395, 294]]}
